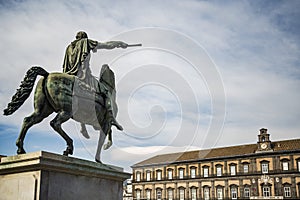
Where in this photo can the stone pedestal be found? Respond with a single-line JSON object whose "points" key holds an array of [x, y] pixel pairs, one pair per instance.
{"points": [[47, 176]]}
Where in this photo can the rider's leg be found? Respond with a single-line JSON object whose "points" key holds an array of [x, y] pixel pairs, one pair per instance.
{"points": [[111, 117]]}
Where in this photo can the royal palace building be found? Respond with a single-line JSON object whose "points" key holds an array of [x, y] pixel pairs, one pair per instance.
{"points": [[266, 170]]}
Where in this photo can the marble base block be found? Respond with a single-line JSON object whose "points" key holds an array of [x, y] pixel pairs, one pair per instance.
{"points": [[47, 176]]}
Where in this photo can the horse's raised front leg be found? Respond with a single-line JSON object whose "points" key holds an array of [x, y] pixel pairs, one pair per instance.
{"points": [[60, 118], [101, 140]]}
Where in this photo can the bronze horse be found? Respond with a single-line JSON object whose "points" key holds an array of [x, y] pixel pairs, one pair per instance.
{"points": [[55, 93]]}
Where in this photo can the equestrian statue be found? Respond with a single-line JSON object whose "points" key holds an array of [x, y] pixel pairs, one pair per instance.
{"points": [[75, 94]]}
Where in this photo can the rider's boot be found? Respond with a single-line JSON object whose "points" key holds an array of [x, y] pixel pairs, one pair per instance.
{"points": [[113, 121]]}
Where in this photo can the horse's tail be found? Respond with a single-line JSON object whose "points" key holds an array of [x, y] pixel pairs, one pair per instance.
{"points": [[25, 89]]}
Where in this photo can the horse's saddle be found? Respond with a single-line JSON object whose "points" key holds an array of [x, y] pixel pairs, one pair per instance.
{"points": [[94, 91]]}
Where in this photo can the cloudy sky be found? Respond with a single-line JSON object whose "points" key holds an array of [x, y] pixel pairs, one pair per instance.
{"points": [[209, 73]]}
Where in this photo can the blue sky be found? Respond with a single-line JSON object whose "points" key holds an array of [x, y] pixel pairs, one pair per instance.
{"points": [[209, 74]]}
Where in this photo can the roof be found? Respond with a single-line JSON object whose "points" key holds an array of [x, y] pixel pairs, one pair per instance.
{"points": [[240, 150]]}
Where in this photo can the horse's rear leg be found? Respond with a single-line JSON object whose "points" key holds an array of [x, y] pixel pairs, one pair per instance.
{"points": [[28, 122], [101, 140], [60, 118]]}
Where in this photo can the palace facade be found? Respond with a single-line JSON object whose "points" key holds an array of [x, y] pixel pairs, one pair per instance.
{"points": [[266, 170]]}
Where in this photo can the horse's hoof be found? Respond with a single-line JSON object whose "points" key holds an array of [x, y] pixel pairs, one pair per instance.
{"points": [[105, 147], [68, 151], [21, 151], [98, 161], [65, 153]]}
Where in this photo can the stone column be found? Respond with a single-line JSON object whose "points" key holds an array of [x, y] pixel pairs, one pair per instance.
{"points": [[226, 189], [175, 191], [293, 187], [199, 193], [187, 194]]}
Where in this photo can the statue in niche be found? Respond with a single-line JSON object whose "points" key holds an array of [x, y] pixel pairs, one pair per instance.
{"points": [[75, 94]]}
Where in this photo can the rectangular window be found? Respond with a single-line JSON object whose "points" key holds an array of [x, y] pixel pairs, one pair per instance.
{"points": [[158, 175], [170, 194], [193, 194], [264, 168], [193, 173], [170, 173], [148, 194], [158, 194], [220, 193], [285, 166], [287, 191], [205, 171], [232, 170], [233, 193], [138, 176], [206, 193], [181, 194], [266, 191], [246, 192], [181, 173], [148, 176], [246, 168], [219, 171], [138, 195]]}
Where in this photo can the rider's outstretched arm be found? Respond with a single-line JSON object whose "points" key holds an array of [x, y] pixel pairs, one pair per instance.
{"points": [[111, 45]]}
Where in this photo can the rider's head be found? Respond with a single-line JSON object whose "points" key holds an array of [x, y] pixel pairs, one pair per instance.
{"points": [[81, 34]]}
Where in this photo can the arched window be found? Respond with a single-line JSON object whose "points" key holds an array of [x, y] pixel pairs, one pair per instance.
{"points": [[232, 169], [193, 172], [138, 194], [158, 174], [148, 175], [219, 191], [287, 190], [233, 191], [181, 193], [206, 193], [219, 170], [285, 164], [170, 173], [245, 167], [158, 194], [266, 190], [181, 173], [264, 166], [193, 193], [298, 166], [246, 191], [170, 193], [205, 171], [148, 194], [138, 176]]}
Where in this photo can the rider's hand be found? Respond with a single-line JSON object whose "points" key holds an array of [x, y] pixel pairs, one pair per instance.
{"points": [[121, 45]]}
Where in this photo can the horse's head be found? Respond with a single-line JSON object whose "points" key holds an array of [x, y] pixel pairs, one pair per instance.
{"points": [[107, 77]]}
